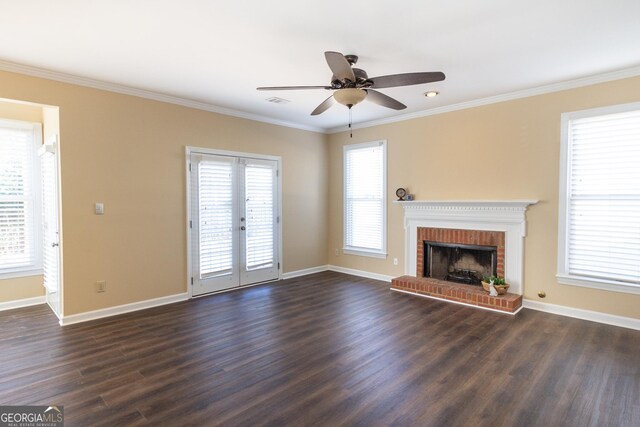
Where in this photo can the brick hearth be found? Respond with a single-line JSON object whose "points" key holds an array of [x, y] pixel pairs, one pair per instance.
{"points": [[468, 294]]}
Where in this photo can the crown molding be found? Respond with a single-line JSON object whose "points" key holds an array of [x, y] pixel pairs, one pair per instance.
{"points": [[525, 93], [29, 70], [170, 99]]}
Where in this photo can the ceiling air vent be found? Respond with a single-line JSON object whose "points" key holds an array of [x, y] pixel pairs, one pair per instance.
{"points": [[277, 100]]}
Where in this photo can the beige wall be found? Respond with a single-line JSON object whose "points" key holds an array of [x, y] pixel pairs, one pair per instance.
{"points": [[129, 153], [22, 287], [20, 111], [508, 150]]}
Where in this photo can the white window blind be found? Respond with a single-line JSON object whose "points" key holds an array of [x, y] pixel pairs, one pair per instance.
{"points": [[20, 246], [365, 198], [602, 211], [259, 206], [216, 218]]}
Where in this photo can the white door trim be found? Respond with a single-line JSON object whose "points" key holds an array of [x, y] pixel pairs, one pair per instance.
{"points": [[199, 150]]}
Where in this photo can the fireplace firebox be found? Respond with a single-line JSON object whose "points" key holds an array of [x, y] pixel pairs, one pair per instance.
{"points": [[459, 263]]}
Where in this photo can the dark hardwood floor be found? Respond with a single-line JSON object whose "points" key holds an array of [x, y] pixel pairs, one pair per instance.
{"points": [[326, 349]]}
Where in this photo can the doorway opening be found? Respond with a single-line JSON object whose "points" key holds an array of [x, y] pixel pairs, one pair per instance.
{"points": [[30, 220]]}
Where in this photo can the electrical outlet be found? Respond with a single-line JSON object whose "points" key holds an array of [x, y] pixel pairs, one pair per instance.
{"points": [[395, 261], [337, 252], [101, 286]]}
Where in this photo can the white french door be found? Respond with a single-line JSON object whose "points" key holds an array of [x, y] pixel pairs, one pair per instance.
{"points": [[234, 221], [50, 232]]}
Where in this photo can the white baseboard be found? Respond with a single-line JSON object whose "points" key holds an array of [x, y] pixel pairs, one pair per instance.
{"points": [[122, 309], [304, 272], [353, 272], [19, 303], [594, 316], [361, 273]]}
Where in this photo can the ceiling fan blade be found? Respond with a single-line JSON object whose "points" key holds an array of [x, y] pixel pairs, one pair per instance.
{"points": [[384, 100], [406, 79], [293, 87], [324, 106], [339, 66]]}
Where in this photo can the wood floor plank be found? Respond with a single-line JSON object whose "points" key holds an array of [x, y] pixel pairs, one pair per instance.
{"points": [[326, 349]]}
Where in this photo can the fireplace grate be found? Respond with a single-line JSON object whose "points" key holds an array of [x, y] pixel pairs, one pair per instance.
{"points": [[469, 277], [459, 263]]}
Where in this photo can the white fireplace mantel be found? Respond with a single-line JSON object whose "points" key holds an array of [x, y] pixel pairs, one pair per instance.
{"points": [[507, 216]]}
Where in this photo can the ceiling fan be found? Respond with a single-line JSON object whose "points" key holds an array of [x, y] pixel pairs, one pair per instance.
{"points": [[352, 85]]}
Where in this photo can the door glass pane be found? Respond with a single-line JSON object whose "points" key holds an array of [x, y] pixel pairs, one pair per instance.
{"points": [[259, 208], [215, 187], [50, 229], [49, 222]]}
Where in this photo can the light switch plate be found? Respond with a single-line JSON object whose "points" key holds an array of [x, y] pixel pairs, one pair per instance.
{"points": [[99, 208]]}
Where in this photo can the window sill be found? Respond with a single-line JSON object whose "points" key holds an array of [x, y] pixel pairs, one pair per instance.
{"points": [[348, 251], [602, 284], [16, 274]]}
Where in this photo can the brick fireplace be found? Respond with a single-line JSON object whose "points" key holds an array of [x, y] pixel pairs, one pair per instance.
{"points": [[474, 238]]}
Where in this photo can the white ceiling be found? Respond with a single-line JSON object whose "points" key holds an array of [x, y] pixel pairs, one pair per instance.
{"points": [[218, 52]]}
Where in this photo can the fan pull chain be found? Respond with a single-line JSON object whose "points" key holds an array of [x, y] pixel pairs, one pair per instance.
{"points": [[350, 128]]}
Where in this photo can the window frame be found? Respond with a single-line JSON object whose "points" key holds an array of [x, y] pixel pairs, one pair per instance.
{"points": [[563, 276], [353, 250], [35, 268]]}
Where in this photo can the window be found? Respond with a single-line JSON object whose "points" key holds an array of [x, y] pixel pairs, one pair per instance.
{"points": [[20, 211], [599, 218], [365, 195]]}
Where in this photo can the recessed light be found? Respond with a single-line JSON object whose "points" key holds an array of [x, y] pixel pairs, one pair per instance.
{"points": [[431, 94]]}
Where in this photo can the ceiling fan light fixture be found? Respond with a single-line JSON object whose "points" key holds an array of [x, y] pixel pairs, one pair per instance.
{"points": [[349, 96], [431, 94], [351, 85]]}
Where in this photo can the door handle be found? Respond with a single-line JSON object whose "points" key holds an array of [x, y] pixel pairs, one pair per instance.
{"points": [[53, 245], [242, 228]]}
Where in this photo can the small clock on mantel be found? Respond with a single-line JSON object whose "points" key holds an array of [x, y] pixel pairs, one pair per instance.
{"points": [[401, 193]]}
